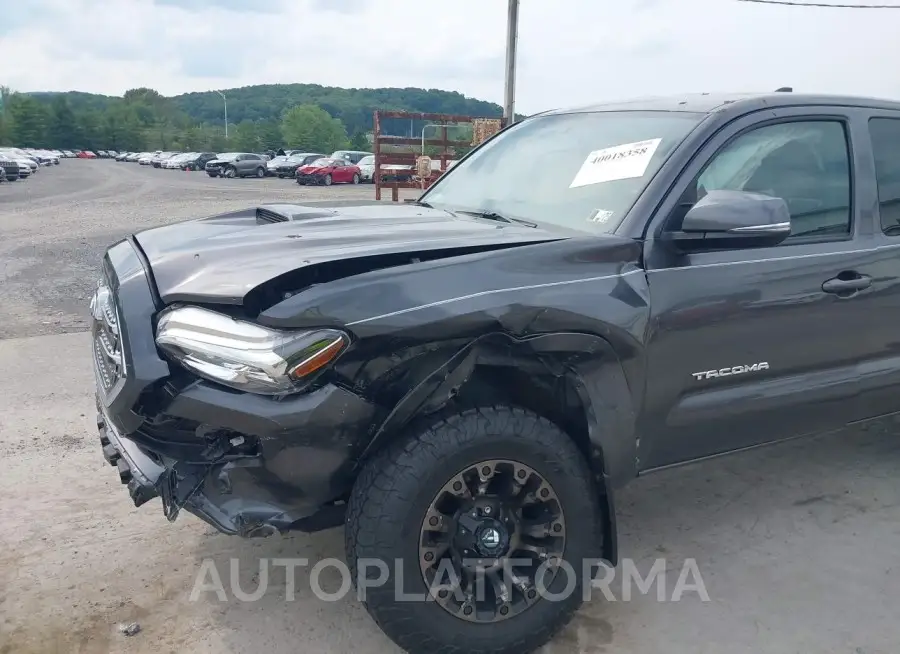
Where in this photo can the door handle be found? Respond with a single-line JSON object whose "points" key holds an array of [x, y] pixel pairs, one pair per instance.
{"points": [[843, 286]]}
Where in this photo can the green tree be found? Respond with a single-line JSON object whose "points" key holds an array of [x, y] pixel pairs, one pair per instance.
{"points": [[359, 142], [5, 121], [90, 125], [62, 130], [243, 137], [28, 120], [311, 128]]}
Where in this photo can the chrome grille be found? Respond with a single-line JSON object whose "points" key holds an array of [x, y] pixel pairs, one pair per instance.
{"points": [[108, 360]]}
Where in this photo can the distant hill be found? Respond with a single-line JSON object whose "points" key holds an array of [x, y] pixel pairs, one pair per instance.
{"points": [[354, 107]]}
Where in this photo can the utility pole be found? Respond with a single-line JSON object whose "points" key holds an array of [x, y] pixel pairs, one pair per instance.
{"points": [[512, 35], [226, 113]]}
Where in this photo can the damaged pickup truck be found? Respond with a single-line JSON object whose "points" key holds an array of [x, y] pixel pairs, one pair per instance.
{"points": [[463, 382]]}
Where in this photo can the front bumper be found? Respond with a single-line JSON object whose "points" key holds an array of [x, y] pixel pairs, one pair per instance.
{"points": [[247, 464], [305, 178]]}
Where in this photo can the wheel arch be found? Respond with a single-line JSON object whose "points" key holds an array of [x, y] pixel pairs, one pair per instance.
{"points": [[574, 380]]}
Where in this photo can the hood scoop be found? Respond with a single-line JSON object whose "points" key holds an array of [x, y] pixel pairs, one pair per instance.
{"points": [[284, 213]]}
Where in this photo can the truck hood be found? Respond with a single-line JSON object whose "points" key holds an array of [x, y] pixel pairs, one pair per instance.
{"points": [[222, 258]]}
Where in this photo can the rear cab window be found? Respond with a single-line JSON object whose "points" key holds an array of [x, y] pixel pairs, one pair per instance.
{"points": [[885, 135]]}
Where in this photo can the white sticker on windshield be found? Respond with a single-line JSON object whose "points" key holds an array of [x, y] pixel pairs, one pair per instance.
{"points": [[600, 216], [618, 162]]}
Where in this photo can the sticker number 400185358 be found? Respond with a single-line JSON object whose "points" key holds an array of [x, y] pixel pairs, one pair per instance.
{"points": [[618, 162]]}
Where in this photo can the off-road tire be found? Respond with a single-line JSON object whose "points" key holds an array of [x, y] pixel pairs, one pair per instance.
{"points": [[396, 486]]}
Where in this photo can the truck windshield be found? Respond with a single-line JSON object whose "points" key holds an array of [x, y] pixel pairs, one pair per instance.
{"points": [[579, 171]]}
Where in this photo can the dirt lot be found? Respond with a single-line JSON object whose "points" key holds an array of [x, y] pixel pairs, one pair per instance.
{"points": [[797, 545]]}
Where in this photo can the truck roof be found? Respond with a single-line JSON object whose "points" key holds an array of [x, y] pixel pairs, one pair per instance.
{"points": [[707, 103]]}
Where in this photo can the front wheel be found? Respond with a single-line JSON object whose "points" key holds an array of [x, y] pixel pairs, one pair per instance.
{"points": [[488, 516], [213, 174], [230, 172], [328, 180]]}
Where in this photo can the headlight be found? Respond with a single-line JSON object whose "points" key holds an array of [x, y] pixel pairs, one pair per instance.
{"points": [[243, 355]]}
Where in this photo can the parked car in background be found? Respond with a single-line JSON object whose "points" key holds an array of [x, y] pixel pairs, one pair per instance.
{"points": [[135, 156], [157, 160], [174, 162], [25, 162], [353, 156], [237, 164], [122, 155], [44, 157], [9, 169], [197, 160], [86, 154], [288, 167], [328, 171], [273, 163], [366, 167]]}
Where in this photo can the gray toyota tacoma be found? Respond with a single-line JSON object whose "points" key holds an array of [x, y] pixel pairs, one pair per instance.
{"points": [[462, 383]]}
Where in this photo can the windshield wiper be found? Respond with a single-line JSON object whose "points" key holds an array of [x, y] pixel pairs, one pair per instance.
{"points": [[418, 203], [500, 218]]}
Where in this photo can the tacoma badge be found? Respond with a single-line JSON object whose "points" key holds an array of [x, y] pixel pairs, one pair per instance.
{"points": [[734, 370]]}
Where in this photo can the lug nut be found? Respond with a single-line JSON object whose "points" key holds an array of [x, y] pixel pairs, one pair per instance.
{"points": [[429, 556], [487, 510], [468, 610], [544, 492], [504, 610], [457, 486], [433, 521], [557, 527]]}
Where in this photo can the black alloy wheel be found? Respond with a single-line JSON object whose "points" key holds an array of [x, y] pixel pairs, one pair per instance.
{"points": [[495, 524], [470, 515]]}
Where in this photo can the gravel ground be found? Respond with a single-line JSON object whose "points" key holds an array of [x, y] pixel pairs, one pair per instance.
{"points": [[796, 545]]}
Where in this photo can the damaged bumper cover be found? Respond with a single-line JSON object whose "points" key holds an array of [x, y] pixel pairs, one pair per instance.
{"points": [[292, 474], [247, 464]]}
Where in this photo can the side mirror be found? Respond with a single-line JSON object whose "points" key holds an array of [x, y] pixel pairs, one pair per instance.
{"points": [[739, 219]]}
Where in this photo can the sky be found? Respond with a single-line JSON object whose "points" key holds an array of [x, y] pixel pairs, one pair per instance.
{"points": [[571, 52]]}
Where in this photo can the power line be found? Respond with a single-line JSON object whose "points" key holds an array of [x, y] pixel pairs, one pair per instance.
{"points": [[789, 3]]}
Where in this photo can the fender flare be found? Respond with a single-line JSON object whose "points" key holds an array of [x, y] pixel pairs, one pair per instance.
{"points": [[590, 365]]}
